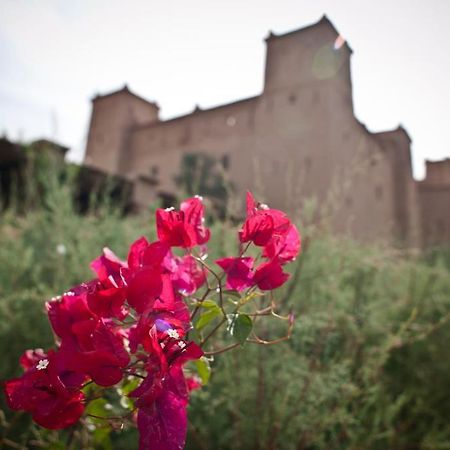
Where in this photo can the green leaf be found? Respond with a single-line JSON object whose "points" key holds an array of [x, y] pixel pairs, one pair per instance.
{"points": [[97, 407], [209, 304], [207, 317], [130, 384], [203, 370], [239, 326]]}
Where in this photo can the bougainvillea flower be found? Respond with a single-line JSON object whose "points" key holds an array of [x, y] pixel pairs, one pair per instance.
{"points": [[153, 327], [258, 229], [71, 317], [163, 424], [239, 272], [167, 298], [144, 286], [270, 275], [262, 223], [94, 343], [157, 367], [284, 247], [163, 355], [94, 348], [162, 416], [194, 215], [104, 368], [186, 274], [100, 353], [136, 251], [41, 392], [106, 302], [31, 358], [107, 267], [144, 254], [184, 228]]}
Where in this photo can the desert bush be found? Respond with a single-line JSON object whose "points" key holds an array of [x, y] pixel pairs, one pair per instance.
{"points": [[366, 367]]}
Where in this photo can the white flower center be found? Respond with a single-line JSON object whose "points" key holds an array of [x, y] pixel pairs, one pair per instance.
{"points": [[173, 333], [42, 364]]}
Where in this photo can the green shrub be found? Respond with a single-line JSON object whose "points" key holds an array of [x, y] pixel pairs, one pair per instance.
{"points": [[366, 367]]}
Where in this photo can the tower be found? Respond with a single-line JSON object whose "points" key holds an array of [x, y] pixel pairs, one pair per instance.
{"points": [[114, 115]]}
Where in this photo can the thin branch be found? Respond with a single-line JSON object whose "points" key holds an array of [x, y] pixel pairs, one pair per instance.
{"points": [[212, 332], [222, 350]]}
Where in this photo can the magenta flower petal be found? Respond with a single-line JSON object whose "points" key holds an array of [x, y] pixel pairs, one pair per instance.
{"points": [[284, 247], [163, 425], [184, 228], [143, 289], [239, 272], [137, 248], [270, 275]]}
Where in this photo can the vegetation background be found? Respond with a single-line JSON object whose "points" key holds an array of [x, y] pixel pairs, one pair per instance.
{"points": [[367, 366]]}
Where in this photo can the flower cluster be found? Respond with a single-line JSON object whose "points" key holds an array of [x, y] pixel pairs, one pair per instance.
{"points": [[134, 319]]}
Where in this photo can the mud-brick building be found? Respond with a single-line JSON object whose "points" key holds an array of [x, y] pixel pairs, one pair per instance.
{"points": [[434, 194], [299, 139]]}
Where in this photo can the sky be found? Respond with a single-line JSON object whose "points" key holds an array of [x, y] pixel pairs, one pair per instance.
{"points": [[55, 55]]}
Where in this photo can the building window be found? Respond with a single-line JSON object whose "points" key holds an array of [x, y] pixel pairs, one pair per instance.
{"points": [[292, 99], [226, 162]]}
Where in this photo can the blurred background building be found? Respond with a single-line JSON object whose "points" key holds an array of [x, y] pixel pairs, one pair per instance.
{"points": [[297, 141]]}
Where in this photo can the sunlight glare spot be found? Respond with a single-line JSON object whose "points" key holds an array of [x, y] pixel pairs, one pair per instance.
{"points": [[339, 42]]}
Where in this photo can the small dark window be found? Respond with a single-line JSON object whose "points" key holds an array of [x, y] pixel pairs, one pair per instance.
{"points": [[378, 192], [226, 161], [292, 99], [154, 170]]}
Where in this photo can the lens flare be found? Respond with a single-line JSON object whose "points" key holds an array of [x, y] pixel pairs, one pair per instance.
{"points": [[339, 42]]}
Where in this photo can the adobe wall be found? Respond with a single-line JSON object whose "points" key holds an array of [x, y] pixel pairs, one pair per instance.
{"points": [[397, 146], [112, 117], [434, 195], [298, 140]]}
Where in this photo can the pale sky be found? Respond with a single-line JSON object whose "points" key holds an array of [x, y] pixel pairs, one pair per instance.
{"points": [[55, 55]]}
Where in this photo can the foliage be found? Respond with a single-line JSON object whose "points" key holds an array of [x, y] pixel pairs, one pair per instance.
{"points": [[366, 367]]}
